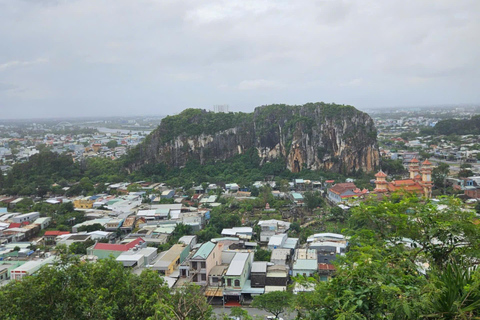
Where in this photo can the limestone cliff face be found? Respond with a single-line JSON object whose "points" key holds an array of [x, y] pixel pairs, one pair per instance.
{"points": [[313, 136]]}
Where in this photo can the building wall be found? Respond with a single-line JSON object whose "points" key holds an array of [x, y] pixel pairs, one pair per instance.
{"points": [[83, 204], [104, 254], [258, 280]]}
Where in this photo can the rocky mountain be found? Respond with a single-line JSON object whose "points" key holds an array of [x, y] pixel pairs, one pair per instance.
{"points": [[313, 136]]}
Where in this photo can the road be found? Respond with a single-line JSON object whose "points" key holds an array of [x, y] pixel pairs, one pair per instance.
{"points": [[218, 310]]}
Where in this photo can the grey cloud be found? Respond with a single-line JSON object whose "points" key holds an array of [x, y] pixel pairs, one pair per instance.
{"points": [[149, 56]]}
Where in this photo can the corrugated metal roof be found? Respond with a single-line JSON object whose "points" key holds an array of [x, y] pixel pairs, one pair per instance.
{"points": [[303, 264], [204, 250], [237, 264], [259, 266]]}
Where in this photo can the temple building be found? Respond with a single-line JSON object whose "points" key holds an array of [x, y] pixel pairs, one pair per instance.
{"points": [[420, 181]]}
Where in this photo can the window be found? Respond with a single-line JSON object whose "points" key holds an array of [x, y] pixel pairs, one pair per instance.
{"points": [[237, 283], [194, 265], [229, 282], [204, 277], [203, 265]]}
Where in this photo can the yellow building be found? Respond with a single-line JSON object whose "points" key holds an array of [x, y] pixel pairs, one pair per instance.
{"points": [[83, 203], [170, 261]]}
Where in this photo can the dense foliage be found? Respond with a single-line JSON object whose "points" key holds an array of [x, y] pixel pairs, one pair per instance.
{"points": [[192, 122], [50, 172], [461, 127], [103, 290], [407, 260]]}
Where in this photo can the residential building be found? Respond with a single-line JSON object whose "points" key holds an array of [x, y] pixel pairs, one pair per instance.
{"points": [[105, 250], [43, 222], [269, 228], [341, 192], [237, 273], [29, 268], [305, 262], [26, 217], [203, 260], [171, 259]]}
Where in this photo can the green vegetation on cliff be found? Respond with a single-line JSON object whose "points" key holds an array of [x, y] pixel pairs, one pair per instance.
{"points": [[194, 122], [344, 137]]}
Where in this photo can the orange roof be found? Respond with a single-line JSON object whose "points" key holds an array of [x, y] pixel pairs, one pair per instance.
{"points": [[405, 185], [340, 188], [324, 266], [380, 174], [117, 247], [406, 182], [55, 233], [426, 163], [414, 160]]}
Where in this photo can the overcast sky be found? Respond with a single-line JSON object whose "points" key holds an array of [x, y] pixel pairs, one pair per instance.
{"points": [[157, 57]]}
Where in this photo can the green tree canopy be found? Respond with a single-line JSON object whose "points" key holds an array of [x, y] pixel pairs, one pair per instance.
{"points": [[276, 302]]}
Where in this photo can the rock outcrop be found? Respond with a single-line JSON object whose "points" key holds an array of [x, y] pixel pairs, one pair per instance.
{"points": [[313, 136]]}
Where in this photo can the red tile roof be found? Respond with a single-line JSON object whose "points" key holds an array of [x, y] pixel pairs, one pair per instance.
{"points": [[325, 266], [426, 163], [118, 247], [414, 160], [15, 225], [341, 188], [380, 174], [55, 233]]}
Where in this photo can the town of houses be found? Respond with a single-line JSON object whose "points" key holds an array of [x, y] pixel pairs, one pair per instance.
{"points": [[18, 142], [132, 231], [136, 227]]}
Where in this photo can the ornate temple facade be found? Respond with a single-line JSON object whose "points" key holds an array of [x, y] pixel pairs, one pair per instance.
{"points": [[420, 181]]}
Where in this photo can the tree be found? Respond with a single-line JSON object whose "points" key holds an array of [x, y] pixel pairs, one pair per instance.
{"points": [[276, 302], [65, 207], [134, 187], [112, 144], [455, 293], [239, 313], [80, 247], [186, 303], [338, 214], [437, 232], [440, 174], [262, 255], [382, 275], [313, 200], [75, 290], [91, 227], [392, 166]]}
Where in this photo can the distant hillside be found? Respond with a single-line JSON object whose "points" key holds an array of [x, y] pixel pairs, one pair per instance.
{"points": [[452, 126], [313, 136]]}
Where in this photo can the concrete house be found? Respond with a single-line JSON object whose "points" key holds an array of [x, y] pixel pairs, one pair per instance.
{"points": [[105, 250], [258, 274], [272, 227], [237, 274], [277, 278], [305, 262], [201, 263], [43, 222], [26, 217], [171, 259]]}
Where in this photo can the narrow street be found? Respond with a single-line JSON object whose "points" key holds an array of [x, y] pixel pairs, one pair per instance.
{"points": [[218, 310]]}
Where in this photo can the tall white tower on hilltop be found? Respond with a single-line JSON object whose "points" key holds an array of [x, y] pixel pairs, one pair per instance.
{"points": [[221, 108]]}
